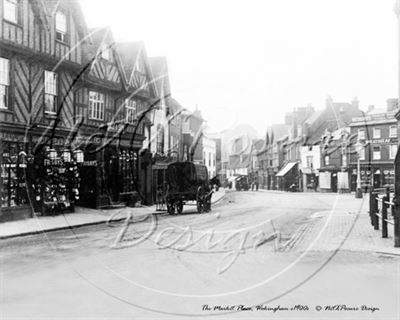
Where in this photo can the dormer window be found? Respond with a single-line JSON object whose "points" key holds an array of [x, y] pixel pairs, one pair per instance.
{"points": [[61, 26], [11, 10]]}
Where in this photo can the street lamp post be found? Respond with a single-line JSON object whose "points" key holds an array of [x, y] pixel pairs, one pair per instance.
{"points": [[358, 146]]}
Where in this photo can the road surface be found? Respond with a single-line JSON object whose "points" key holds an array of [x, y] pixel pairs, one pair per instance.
{"points": [[242, 260]]}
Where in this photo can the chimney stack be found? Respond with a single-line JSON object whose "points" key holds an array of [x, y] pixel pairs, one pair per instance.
{"points": [[355, 103], [371, 107], [391, 104]]}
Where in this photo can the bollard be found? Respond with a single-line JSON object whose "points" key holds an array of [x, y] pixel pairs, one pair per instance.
{"points": [[384, 217], [371, 206], [375, 218]]}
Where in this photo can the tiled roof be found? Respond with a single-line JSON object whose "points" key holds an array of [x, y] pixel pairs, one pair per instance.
{"points": [[330, 125], [314, 117]]}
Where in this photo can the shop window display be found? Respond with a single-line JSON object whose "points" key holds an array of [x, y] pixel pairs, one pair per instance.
{"points": [[14, 163], [57, 184], [127, 164]]}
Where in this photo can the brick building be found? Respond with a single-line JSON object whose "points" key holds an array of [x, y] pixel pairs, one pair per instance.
{"points": [[377, 131]]}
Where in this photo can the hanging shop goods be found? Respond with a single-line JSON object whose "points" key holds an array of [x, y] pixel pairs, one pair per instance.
{"points": [[14, 174], [57, 187], [108, 177]]}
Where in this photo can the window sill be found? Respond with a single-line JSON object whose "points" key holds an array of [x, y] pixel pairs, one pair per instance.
{"points": [[50, 115], [6, 110], [16, 24], [62, 42], [94, 119]]}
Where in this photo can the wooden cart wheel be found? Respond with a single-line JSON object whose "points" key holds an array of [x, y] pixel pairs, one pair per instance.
{"points": [[179, 206], [200, 200]]}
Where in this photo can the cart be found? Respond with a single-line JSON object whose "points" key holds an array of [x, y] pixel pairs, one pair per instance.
{"points": [[187, 181]]}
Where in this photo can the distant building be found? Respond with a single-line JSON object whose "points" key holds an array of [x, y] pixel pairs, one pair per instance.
{"points": [[209, 156], [377, 131], [305, 150], [270, 156], [334, 174], [192, 133], [218, 159], [224, 148], [239, 156]]}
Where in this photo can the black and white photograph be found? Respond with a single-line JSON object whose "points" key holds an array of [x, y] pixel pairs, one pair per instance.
{"points": [[199, 159]]}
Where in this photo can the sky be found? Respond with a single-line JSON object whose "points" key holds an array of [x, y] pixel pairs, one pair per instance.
{"points": [[251, 61]]}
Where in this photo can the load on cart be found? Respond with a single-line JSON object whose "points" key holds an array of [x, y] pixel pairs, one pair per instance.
{"points": [[187, 181]]}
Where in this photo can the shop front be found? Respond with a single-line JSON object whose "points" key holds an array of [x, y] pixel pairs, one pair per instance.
{"points": [[310, 179], [288, 177], [109, 174], [38, 175], [55, 180], [377, 175], [333, 179], [15, 169]]}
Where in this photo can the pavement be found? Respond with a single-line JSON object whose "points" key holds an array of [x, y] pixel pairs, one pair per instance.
{"points": [[81, 217], [346, 227]]}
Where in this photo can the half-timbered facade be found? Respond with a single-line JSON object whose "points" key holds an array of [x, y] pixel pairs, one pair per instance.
{"points": [[74, 115], [40, 62], [137, 109], [112, 135]]}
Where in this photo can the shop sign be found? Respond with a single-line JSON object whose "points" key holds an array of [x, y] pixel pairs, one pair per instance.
{"points": [[46, 140], [50, 162], [381, 141], [92, 163], [7, 136]]}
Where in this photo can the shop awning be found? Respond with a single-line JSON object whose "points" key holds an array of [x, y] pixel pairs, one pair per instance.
{"points": [[289, 166], [231, 179]]}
